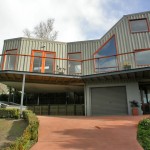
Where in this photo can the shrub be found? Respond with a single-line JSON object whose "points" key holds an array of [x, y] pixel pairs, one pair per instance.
{"points": [[30, 134], [9, 113], [143, 133]]}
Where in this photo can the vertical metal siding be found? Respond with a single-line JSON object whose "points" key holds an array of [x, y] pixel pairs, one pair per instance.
{"points": [[11, 44], [25, 47], [125, 41]]}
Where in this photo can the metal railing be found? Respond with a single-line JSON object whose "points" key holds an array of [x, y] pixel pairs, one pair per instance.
{"points": [[65, 66]]}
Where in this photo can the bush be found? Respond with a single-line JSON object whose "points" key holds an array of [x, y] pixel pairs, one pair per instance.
{"points": [[9, 113], [143, 133], [30, 134]]}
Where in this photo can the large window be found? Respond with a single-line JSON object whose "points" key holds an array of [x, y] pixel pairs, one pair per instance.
{"points": [[138, 25], [142, 57], [105, 57], [74, 63], [42, 61], [10, 59]]}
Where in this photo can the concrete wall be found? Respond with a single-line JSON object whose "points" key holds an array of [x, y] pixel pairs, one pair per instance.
{"points": [[132, 92]]}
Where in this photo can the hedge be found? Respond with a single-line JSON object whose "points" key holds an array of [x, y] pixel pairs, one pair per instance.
{"points": [[30, 134], [143, 133], [9, 113]]}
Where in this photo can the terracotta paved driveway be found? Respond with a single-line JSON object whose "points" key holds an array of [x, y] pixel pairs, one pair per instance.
{"points": [[88, 133]]}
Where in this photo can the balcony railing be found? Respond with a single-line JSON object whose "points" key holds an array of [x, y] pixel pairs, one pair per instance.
{"points": [[66, 66]]}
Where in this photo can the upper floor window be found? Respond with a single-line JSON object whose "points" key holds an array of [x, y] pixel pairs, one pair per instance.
{"points": [[10, 59], [42, 61], [142, 57], [105, 57], [140, 25], [74, 63]]}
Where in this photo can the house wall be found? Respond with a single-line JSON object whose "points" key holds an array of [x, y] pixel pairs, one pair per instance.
{"points": [[126, 42], [25, 47], [11, 44], [132, 92]]}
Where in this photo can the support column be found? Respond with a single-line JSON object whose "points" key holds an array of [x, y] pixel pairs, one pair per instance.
{"points": [[22, 94]]}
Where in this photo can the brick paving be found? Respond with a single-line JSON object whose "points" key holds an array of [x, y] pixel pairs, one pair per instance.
{"points": [[88, 133]]}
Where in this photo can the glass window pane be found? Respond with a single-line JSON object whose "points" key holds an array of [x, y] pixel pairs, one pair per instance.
{"points": [[109, 63], [138, 25], [49, 62], [11, 60], [142, 58], [76, 56], [37, 64], [74, 67]]}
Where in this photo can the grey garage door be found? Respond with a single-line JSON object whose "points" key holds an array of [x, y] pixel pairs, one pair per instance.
{"points": [[109, 101]]}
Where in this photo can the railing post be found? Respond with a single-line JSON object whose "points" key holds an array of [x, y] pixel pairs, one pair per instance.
{"points": [[22, 94]]}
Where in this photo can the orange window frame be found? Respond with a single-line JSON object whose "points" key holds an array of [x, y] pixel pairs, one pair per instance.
{"points": [[76, 60], [5, 56], [43, 59], [140, 50], [132, 32], [100, 48]]}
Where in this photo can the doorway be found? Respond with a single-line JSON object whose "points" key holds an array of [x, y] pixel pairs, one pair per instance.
{"points": [[43, 61], [145, 98]]}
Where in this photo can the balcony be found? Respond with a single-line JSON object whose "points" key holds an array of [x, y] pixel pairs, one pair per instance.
{"points": [[49, 64]]}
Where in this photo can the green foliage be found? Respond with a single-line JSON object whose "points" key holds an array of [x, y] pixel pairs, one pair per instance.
{"points": [[30, 135], [143, 133], [9, 113]]}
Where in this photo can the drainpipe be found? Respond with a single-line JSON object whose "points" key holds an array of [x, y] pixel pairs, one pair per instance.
{"points": [[22, 94]]}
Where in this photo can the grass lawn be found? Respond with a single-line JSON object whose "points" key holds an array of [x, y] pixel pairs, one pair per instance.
{"points": [[9, 130]]}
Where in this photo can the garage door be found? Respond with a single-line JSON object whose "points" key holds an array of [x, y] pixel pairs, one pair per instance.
{"points": [[109, 101]]}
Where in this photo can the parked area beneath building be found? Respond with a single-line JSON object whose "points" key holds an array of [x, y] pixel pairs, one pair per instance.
{"points": [[90, 133]]}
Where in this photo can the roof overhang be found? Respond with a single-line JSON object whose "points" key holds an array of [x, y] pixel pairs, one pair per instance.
{"points": [[41, 82], [43, 78], [138, 74]]}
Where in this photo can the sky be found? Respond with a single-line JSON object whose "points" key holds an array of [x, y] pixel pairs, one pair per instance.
{"points": [[75, 20]]}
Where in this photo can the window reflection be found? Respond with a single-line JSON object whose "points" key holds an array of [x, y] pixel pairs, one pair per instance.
{"points": [[74, 63], [138, 25], [142, 57], [106, 61], [10, 59]]}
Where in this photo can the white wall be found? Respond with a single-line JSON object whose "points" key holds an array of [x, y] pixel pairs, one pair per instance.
{"points": [[132, 91]]}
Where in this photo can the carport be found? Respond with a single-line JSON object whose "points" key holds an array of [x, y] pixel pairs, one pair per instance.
{"points": [[36, 83]]}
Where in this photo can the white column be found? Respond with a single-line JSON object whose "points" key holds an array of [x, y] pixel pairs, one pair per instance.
{"points": [[22, 94]]}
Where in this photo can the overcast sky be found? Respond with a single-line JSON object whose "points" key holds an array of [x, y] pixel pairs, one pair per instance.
{"points": [[74, 19]]}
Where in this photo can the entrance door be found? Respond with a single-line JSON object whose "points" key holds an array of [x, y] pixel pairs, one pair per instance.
{"points": [[42, 61]]}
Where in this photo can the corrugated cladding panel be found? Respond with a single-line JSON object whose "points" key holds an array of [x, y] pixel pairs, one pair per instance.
{"points": [[125, 42], [11, 45], [27, 45]]}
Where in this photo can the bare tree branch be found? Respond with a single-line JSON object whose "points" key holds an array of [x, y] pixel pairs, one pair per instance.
{"points": [[27, 33], [44, 30]]}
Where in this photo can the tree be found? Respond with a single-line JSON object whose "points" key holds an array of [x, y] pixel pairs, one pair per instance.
{"points": [[44, 30], [27, 33]]}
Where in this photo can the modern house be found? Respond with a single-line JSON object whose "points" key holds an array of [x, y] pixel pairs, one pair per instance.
{"points": [[96, 77]]}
